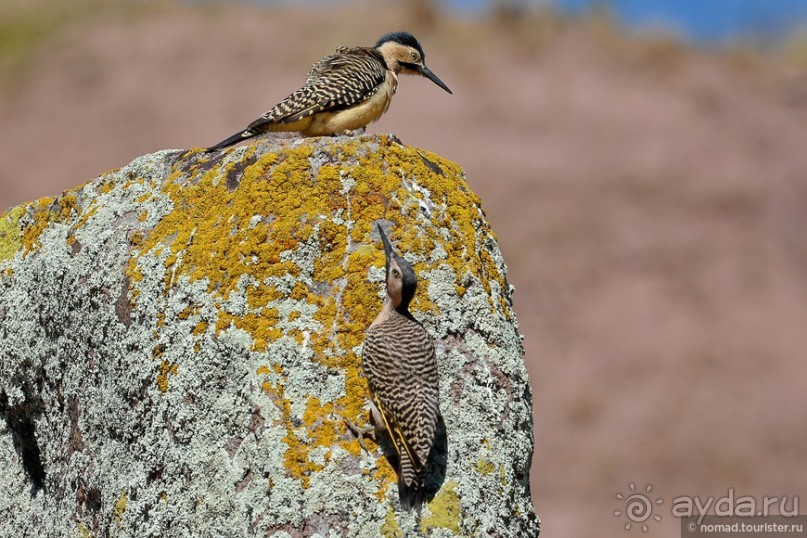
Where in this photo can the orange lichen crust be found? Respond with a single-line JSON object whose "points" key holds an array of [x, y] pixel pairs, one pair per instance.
{"points": [[40, 214], [242, 225], [166, 370], [46, 211]]}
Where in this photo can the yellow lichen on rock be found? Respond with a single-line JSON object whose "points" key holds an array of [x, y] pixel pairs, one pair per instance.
{"points": [[220, 301], [385, 476], [296, 458], [10, 234], [390, 528], [42, 216], [241, 223], [120, 506], [445, 511], [166, 370], [484, 467]]}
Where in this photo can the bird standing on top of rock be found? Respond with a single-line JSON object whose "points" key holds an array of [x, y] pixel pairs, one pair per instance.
{"points": [[344, 91], [399, 361]]}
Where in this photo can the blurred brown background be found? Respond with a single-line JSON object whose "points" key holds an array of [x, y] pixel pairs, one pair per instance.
{"points": [[650, 200]]}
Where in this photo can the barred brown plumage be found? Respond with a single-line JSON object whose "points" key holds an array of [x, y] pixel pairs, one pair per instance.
{"points": [[336, 82], [343, 91], [400, 364], [399, 361]]}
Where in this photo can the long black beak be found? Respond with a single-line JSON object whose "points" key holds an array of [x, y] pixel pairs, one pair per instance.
{"points": [[388, 252], [426, 72]]}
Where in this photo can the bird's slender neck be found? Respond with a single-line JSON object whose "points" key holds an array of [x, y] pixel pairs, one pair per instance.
{"points": [[388, 311], [402, 309]]}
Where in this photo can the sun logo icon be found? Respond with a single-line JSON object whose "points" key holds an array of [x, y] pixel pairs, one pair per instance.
{"points": [[638, 507]]}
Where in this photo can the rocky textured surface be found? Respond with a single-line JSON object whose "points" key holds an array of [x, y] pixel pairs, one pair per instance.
{"points": [[180, 345]]}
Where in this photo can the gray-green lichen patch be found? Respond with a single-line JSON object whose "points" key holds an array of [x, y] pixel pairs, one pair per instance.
{"points": [[180, 340]]}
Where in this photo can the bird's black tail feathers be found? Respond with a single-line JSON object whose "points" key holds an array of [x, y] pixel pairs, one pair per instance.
{"points": [[411, 496], [240, 136]]}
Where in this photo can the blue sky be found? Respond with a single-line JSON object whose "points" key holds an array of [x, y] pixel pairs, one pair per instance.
{"points": [[704, 21]]}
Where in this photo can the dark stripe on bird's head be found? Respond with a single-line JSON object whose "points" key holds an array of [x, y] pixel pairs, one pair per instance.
{"points": [[409, 279], [404, 38], [410, 283]]}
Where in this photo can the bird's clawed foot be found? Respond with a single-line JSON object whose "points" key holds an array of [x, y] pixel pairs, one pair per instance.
{"points": [[360, 433], [354, 132]]}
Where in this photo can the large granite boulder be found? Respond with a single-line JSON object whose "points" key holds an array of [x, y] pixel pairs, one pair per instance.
{"points": [[180, 346]]}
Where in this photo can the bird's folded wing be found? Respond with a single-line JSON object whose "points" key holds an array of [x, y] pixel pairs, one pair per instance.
{"points": [[407, 403], [334, 83], [398, 433]]}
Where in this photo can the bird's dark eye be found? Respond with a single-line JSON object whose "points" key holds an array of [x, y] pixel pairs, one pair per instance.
{"points": [[415, 56]]}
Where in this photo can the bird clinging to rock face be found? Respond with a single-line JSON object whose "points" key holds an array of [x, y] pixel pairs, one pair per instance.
{"points": [[399, 362], [344, 91]]}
